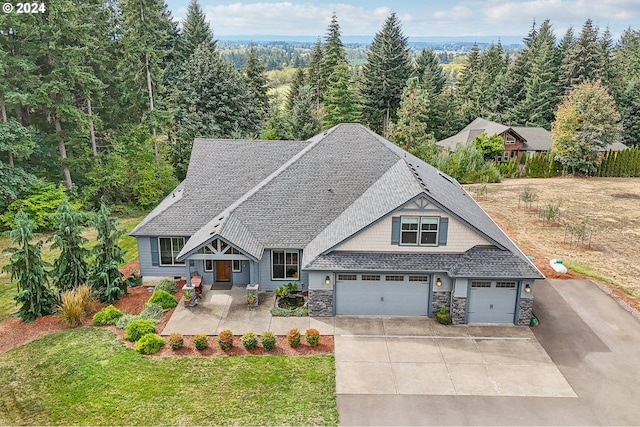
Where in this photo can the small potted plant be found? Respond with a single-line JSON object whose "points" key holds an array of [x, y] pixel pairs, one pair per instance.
{"points": [[187, 296], [250, 299]]}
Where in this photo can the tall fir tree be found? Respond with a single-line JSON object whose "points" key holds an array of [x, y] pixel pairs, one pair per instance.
{"points": [[28, 271], [626, 84], [385, 74], [314, 71], [468, 86], [341, 103], [584, 60], [299, 80], [334, 55], [305, 119], [255, 72], [411, 130], [427, 66]]}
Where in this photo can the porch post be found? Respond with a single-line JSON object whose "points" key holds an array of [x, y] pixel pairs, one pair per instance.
{"points": [[252, 272], [188, 275]]}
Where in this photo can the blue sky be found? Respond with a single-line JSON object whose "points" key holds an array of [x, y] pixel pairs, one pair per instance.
{"points": [[418, 17]]}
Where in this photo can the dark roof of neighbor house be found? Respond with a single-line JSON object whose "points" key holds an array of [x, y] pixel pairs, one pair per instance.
{"points": [[309, 195], [535, 138]]}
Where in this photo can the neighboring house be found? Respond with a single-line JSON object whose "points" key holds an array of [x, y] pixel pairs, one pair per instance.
{"points": [[365, 227], [518, 140]]}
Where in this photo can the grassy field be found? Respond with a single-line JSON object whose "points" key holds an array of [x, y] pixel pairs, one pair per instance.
{"points": [[87, 377], [8, 290], [608, 207]]}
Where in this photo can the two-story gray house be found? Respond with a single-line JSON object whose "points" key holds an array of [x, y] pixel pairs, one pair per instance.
{"points": [[365, 227]]}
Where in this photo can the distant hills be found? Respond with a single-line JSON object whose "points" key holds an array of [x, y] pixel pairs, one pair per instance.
{"points": [[432, 41]]}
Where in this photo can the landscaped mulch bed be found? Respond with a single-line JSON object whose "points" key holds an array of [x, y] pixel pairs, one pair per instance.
{"points": [[14, 332]]}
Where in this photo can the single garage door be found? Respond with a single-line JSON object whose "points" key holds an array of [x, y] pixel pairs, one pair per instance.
{"points": [[492, 302], [383, 294]]}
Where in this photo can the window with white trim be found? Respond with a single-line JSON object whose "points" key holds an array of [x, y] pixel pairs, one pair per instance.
{"points": [[284, 264], [170, 247], [509, 139], [236, 265], [419, 230], [208, 263]]}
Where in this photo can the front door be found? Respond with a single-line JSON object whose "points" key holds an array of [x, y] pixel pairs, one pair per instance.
{"points": [[223, 271]]}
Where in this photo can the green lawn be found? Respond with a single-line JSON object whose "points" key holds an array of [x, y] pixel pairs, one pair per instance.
{"points": [[8, 290], [87, 377]]}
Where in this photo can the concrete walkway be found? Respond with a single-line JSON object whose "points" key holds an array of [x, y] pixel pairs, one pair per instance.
{"points": [[227, 309]]}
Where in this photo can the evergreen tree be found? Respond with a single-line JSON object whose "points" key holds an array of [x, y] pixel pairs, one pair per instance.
{"points": [[212, 100], [411, 131], [385, 74], [314, 71], [70, 269], [541, 83], [305, 118], [195, 31], [585, 121], [334, 55], [492, 70], [427, 66], [468, 86], [256, 75], [584, 60], [105, 277], [27, 269], [341, 100], [299, 80], [626, 84]]}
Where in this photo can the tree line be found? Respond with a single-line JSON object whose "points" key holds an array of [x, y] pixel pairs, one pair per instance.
{"points": [[106, 96]]}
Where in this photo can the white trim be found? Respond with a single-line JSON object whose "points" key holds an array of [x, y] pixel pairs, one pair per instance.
{"points": [[173, 258], [233, 268], [419, 231]]}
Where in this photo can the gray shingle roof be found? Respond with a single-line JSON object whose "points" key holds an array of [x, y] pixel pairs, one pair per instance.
{"points": [[478, 262], [535, 138], [220, 172], [490, 262], [384, 261], [308, 195]]}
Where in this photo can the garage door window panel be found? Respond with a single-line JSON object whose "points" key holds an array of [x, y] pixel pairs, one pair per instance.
{"points": [[347, 277], [371, 277]]}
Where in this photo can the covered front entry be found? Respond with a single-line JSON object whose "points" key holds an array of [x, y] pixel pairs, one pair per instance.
{"points": [[492, 301], [387, 294], [223, 271]]}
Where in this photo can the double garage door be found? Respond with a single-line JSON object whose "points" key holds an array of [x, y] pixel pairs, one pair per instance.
{"points": [[492, 302], [383, 294]]}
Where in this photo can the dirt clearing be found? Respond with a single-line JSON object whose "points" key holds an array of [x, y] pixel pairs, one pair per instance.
{"points": [[608, 207]]}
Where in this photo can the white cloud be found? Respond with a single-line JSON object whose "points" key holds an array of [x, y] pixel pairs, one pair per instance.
{"points": [[286, 18]]}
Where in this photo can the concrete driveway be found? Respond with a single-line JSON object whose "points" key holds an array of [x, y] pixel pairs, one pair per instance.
{"points": [[593, 342], [418, 356]]}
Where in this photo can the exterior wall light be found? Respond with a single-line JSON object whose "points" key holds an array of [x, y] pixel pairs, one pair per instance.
{"points": [[327, 280], [438, 282], [527, 288]]}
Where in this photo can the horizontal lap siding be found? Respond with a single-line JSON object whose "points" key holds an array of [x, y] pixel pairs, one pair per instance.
{"points": [[377, 238], [146, 267]]}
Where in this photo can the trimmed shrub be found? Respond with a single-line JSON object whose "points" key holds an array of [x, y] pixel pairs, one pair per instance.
{"points": [[249, 340], [200, 341], [152, 310], [268, 340], [107, 316], [136, 329], [149, 344], [176, 341], [164, 298], [312, 336], [443, 316], [293, 337], [225, 340], [167, 286]]}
